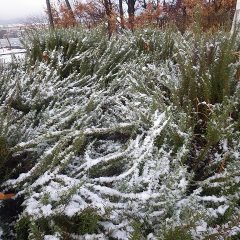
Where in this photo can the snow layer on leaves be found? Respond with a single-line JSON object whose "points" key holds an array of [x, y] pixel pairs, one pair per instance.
{"points": [[106, 137]]}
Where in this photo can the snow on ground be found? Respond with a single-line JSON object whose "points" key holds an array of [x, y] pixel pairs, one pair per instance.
{"points": [[7, 55]]}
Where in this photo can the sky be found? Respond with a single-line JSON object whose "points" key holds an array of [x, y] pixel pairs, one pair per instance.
{"points": [[12, 9], [20, 9]]}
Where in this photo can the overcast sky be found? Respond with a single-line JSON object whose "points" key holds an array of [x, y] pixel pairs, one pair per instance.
{"points": [[12, 9]]}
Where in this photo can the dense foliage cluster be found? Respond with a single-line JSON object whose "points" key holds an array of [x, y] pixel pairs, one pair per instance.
{"points": [[132, 138], [133, 14]]}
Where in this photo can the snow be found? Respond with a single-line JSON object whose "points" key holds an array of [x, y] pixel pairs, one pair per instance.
{"points": [[5, 51], [202, 227], [73, 208], [7, 55], [222, 209], [238, 5], [107, 140], [225, 145], [213, 199], [46, 210], [51, 237]]}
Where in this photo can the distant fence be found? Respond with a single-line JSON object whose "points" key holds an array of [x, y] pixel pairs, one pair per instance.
{"points": [[12, 53], [8, 57], [14, 42]]}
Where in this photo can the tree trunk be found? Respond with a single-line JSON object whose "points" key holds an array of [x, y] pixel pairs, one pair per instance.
{"points": [[121, 14], [70, 11], [110, 17], [236, 19], [131, 13], [144, 4], [50, 16]]}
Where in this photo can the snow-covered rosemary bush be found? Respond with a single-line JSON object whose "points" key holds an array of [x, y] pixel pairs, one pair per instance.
{"points": [[123, 139]]}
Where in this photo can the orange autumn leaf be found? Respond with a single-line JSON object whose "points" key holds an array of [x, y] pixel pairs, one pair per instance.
{"points": [[6, 196]]}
